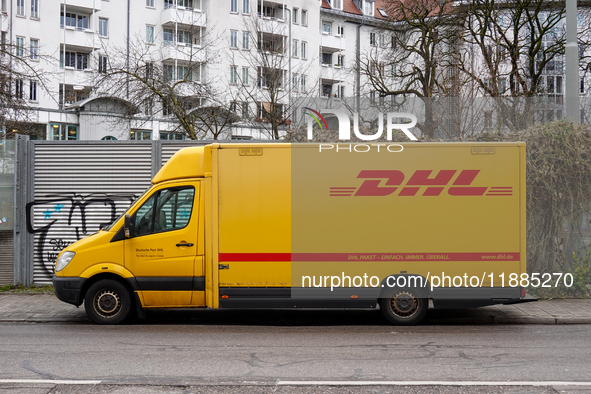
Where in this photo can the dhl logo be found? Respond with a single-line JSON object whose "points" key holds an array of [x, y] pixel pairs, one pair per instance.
{"points": [[420, 179]]}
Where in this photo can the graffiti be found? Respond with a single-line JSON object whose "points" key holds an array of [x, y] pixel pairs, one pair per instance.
{"points": [[58, 246], [68, 217]]}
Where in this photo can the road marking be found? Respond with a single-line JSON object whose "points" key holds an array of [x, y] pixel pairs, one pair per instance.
{"points": [[45, 381], [425, 383]]}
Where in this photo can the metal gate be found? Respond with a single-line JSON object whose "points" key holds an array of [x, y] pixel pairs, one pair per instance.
{"points": [[6, 258], [79, 189]]}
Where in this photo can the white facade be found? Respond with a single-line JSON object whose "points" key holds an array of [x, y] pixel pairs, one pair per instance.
{"points": [[69, 40]]}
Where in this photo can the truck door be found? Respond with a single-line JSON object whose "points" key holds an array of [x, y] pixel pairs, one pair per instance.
{"points": [[161, 253]]}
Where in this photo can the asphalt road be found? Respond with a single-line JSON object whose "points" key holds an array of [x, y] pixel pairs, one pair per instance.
{"points": [[205, 358]]}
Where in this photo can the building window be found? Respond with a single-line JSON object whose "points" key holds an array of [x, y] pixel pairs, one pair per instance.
{"points": [[234, 6], [233, 74], [20, 7], [79, 22], [326, 27], [81, 61], [35, 9], [296, 15], [20, 46], [327, 59], [303, 83], [368, 7], [18, 88], [181, 37], [382, 40], [171, 136], [150, 3], [582, 85], [294, 82], [149, 106], [372, 39], [245, 40], [372, 97], [245, 110], [304, 50], [340, 60], [103, 27], [149, 34], [245, 75], [233, 39], [341, 30], [180, 3], [304, 18], [246, 6], [77, 60], [103, 62], [294, 48], [337, 4], [140, 135], [63, 132], [108, 138], [34, 49], [33, 90]]}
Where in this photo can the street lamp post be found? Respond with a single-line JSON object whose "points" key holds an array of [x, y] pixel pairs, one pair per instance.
{"points": [[573, 100]]}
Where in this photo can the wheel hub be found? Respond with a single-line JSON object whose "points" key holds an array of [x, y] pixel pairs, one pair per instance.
{"points": [[404, 304], [107, 303]]}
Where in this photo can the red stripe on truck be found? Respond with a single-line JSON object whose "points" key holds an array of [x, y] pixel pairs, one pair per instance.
{"points": [[251, 257]]}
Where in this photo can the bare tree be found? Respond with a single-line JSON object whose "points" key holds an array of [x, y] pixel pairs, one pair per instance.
{"points": [[171, 82], [266, 51], [405, 55], [508, 49], [21, 81]]}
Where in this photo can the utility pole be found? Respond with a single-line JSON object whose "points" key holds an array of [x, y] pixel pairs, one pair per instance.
{"points": [[572, 99]]}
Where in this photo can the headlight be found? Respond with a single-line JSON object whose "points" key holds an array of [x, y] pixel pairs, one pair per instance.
{"points": [[63, 260]]}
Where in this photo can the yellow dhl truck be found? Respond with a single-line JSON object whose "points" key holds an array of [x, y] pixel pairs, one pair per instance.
{"points": [[403, 226]]}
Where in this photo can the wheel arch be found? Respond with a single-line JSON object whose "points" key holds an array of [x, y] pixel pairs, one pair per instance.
{"points": [[129, 283]]}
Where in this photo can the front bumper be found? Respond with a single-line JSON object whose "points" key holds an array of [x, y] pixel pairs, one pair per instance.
{"points": [[68, 289]]}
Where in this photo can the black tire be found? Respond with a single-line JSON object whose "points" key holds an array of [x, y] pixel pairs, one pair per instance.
{"points": [[404, 307], [108, 302]]}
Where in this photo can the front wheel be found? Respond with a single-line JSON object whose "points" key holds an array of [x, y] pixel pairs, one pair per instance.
{"points": [[107, 302], [404, 307]]}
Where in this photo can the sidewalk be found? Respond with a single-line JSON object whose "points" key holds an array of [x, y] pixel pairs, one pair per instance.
{"points": [[44, 308]]}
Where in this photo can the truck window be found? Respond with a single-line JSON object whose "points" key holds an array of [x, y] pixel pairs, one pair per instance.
{"points": [[172, 209]]}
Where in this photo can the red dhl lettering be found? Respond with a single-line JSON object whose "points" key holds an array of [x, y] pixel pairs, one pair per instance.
{"points": [[380, 183]]}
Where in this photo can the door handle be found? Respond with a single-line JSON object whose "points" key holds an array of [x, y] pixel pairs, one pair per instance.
{"points": [[184, 244]]}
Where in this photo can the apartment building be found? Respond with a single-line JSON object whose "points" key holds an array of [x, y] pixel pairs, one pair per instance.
{"points": [[236, 47], [73, 43]]}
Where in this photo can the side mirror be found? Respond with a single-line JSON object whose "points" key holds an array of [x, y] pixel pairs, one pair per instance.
{"points": [[127, 226]]}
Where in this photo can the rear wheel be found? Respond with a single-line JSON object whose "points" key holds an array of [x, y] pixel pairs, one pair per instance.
{"points": [[404, 307], [107, 302]]}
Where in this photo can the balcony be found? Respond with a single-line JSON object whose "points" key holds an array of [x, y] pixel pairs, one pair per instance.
{"points": [[79, 77], [87, 6], [81, 40], [332, 42], [184, 52], [332, 73], [184, 17]]}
